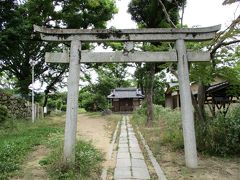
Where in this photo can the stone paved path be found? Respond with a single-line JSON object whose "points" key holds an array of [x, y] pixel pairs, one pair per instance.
{"points": [[130, 161]]}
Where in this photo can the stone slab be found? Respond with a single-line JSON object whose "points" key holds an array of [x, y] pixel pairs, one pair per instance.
{"points": [[132, 139], [123, 149], [123, 136], [123, 155], [134, 145], [137, 155], [138, 163], [140, 173], [123, 163], [123, 141], [123, 145], [135, 150], [122, 173]]}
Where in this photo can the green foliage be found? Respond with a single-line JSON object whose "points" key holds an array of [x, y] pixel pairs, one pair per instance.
{"points": [[52, 104], [87, 163], [57, 101], [171, 130], [220, 135], [93, 97], [64, 108], [18, 45], [93, 100], [159, 89], [16, 143], [149, 13], [3, 114], [88, 13]]}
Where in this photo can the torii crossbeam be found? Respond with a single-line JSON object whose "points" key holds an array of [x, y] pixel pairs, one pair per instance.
{"points": [[179, 55]]}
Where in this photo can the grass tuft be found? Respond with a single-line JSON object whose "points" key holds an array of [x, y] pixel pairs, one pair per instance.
{"points": [[88, 163]]}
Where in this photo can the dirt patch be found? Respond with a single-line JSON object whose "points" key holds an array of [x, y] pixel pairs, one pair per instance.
{"points": [[95, 129], [31, 167], [213, 168]]}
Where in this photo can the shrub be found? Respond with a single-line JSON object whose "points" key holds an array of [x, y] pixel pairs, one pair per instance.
{"points": [[3, 113], [64, 108], [59, 104], [87, 163], [220, 135], [52, 104]]}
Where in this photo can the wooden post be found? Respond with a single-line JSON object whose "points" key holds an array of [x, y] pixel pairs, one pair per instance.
{"points": [[72, 104], [186, 106]]}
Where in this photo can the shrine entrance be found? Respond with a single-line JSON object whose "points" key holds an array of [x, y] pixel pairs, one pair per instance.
{"points": [[180, 55]]}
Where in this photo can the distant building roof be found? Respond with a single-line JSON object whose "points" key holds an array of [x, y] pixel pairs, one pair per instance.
{"points": [[120, 93], [218, 87]]}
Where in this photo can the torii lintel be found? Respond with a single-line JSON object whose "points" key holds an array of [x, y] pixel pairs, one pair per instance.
{"points": [[122, 35]]}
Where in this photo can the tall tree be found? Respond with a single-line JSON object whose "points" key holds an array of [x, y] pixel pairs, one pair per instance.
{"points": [[18, 46], [154, 14]]}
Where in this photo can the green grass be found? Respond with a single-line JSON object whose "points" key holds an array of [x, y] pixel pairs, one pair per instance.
{"points": [[88, 163], [17, 140], [166, 128], [93, 114], [19, 137], [81, 110]]}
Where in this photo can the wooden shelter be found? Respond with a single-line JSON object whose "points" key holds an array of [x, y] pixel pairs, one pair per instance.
{"points": [[125, 99], [220, 96]]}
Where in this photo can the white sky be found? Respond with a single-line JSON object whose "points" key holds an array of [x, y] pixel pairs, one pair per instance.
{"points": [[197, 13]]}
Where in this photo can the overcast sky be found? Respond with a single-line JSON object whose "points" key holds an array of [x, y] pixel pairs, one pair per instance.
{"points": [[197, 13]]}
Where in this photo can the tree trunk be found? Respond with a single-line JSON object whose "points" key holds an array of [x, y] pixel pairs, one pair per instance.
{"points": [[149, 92], [201, 100], [51, 86], [198, 103]]}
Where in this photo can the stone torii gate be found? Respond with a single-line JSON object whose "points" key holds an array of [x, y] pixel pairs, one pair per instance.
{"points": [[180, 55]]}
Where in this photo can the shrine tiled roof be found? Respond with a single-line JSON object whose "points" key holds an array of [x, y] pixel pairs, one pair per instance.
{"points": [[121, 93]]}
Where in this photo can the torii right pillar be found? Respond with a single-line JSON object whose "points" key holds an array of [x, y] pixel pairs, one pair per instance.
{"points": [[190, 148]]}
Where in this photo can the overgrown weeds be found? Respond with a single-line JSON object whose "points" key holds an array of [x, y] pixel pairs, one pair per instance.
{"points": [[219, 136], [87, 164], [166, 126]]}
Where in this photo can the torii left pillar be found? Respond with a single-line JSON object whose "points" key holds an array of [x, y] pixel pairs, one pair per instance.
{"points": [[72, 103]]}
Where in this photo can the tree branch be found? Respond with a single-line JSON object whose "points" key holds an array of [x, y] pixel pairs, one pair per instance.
{"points": [[229, 2], [222, 36], [220, 45], [166, 14]]}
